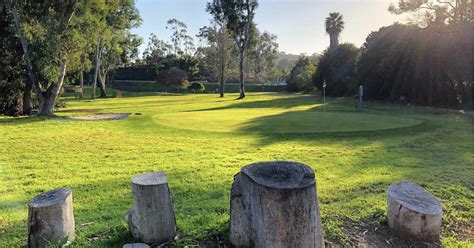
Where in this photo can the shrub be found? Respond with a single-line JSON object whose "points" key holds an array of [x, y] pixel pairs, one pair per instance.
{"points": [[300, 78], [172, 77], [197, 87]]}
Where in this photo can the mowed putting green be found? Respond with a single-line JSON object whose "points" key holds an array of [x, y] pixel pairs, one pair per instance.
{"points": [[269, 120]]}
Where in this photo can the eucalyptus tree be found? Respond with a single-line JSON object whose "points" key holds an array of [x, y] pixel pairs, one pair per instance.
{"points": [[218, 52], [263, 54], [156, 50], [183, 43], [238, 16], [113, 21], [53, 38], [12, 73], [334, 26], [452, 11]]}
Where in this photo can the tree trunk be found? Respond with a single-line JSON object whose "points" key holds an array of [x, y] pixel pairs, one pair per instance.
{"points": [[222, 79], [241, 78], [413, 212], [81, 83], [274, 204], [49, 100], [334, 42], [152, 219], [29, 63], [96, 71], [102, 78], [51, 219], [27, 97]]}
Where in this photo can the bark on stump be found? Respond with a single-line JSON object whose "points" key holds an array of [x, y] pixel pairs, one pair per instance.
{"points": [[152, 219], [413, 212], [51, 219], [275, 204]]}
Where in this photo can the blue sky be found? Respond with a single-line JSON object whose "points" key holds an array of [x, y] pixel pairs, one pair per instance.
{"points": [[299, 24]]}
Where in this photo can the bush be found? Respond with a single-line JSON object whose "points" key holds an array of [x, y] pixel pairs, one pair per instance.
{"points": [[197, 87], [300, 78], [172, 78]]}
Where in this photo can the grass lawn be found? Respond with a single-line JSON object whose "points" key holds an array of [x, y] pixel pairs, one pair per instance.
{"points": [[201, 141]]}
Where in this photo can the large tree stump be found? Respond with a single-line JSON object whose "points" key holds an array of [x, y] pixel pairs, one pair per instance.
{"points": [[152, 219], [51, 219], [413, 212], [275, 204]]}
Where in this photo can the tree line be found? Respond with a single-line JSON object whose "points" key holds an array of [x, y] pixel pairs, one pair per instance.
{"points": [[48, 44], [426, 62], [232, 49]]}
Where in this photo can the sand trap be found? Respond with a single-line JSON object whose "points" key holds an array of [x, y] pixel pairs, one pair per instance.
{"points": [[99, 117]]}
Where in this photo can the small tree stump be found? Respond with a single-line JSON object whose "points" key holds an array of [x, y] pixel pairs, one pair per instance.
{"points": [[275, 204], [413, 212], [152, 219], [51, 219]]}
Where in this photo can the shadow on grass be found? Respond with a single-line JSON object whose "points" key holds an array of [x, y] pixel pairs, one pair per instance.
{"points": [[263, 126], [22, 120], [278, 102]]}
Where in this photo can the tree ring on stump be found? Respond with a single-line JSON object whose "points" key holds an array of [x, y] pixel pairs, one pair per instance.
{"points": [[415, 198], [280, 174], [150, 179], [50, 198]]}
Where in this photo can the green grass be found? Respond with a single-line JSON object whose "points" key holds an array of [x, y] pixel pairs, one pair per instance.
{"points": [[201, 141], [152, 86]]}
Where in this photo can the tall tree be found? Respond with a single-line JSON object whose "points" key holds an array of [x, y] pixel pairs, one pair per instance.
{"points": [[52, 39], [114, 20], [337, 69], [454, 11], [334, 26], [12, 73], [263, 54], [238, 15], [183, 43], [156, 50], [219, 50]]}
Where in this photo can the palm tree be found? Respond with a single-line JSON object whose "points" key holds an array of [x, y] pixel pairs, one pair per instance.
{"points": [[334, 26]]}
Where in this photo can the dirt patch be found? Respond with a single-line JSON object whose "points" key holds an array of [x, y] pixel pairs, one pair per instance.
{"points": [[99, 117]]}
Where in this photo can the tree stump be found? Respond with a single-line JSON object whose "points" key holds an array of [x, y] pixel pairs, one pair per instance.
{"points": [[152, 219], [275, 204], [51, 219], [413, 212]]}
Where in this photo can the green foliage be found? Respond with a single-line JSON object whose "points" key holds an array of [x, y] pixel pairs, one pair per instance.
{"points": [[197, 87], [262, 55], [156, 50], [337, 68], [12, 73], [431, 66], [182, 42], [301, 76], [200, 164], [334, 23], [172, 77]]}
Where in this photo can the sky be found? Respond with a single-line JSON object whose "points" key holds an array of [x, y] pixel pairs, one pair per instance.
{"points": [[299, 24]]}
